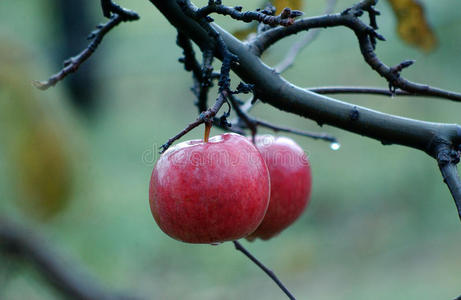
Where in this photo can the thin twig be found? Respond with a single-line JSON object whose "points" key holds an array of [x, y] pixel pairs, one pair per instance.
{"points": [[358, 90], [66, 278], [265, 16], [71, 65], [302, 42], [206, 116], [227, 57], [316, 136], [271, 274], [253, 123]]}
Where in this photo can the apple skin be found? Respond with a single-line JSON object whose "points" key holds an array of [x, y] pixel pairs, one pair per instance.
{"points": [[210, 192], [291, 181]]}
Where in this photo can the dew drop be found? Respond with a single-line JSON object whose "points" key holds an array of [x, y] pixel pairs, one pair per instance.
{"points": [[335, 146]]}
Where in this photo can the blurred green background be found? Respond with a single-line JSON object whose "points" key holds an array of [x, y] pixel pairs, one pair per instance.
{"points": [[381, 224]]}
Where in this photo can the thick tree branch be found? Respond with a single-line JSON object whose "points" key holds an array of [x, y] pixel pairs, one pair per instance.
{"points": [[447, 159], [271, 274], [66, 278]]}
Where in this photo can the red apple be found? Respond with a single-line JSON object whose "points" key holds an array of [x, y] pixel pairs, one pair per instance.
{"points": [[291, 181], [210, 192]]}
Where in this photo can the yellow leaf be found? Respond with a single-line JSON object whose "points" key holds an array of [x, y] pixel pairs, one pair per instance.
{"points": [[35, 145], [281, 4], [243, 33], [412, 25]]}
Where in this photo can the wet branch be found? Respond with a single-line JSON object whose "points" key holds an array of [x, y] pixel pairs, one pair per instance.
{"points": [[358, 90], [271, 274], [447, 159]]}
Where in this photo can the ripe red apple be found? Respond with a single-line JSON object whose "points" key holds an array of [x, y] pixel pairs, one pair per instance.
{"points": [[210, 192], [291, 181]]}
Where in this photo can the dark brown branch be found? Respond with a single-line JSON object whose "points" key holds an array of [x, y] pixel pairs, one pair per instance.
{"points": [[265, 16], [227, 57], [67, 279], [271, 274], [71, 65], [109, 8], [201, 75], [447, 159], [358, 90], [190, 62], [366, 36], [313, 135], [205, 82], [206, 116]]}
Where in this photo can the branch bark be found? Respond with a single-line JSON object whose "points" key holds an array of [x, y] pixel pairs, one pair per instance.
{"points": [[324, 90], [66, 278], [447, 159], [271, 274]]}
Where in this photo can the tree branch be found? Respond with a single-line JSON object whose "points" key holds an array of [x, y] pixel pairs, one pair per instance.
{"points": [[313, 135], [265, 16], [358, 90], [72, 64], [67, 279], [366, 36], [206, 116], [271, 274], [109, 8], [447, 159], [252, 124]]}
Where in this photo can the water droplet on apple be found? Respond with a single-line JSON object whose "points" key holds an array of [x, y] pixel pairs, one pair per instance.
{"points": [[335, 146]]}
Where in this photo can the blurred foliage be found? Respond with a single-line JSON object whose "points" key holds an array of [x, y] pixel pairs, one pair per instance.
{"points": [[381, 224], [412, 25], [34, 146], [281, 4]]}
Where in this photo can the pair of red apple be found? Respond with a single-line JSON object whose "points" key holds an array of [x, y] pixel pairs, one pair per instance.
{"points": [[227, 188]]}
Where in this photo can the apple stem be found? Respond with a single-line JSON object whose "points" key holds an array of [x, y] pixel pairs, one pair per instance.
{"points": [[269, 272], [207, 131]]}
